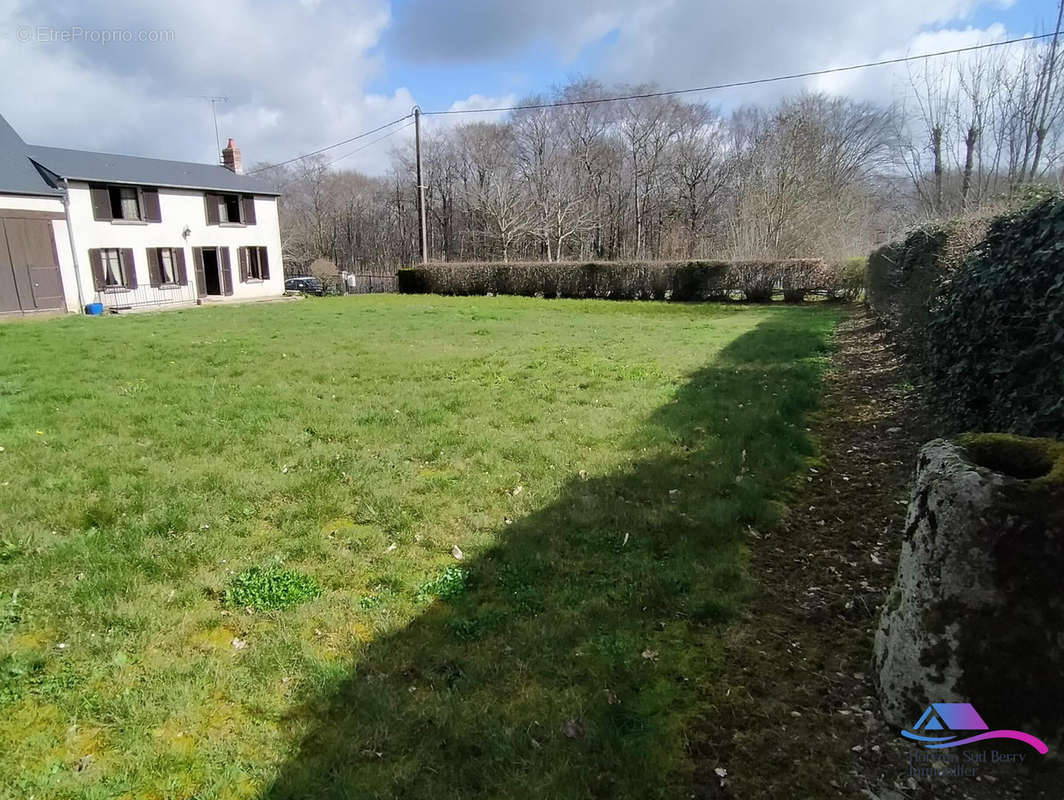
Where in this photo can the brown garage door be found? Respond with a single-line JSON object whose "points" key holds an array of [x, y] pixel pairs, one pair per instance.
{"points": [[29, 268]]}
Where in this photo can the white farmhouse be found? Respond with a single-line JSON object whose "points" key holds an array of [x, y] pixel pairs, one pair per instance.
{"points": [[79, 228]]}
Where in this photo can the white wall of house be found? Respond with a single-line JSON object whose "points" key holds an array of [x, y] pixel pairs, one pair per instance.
{"points": [[179, 209], [53, 205]]}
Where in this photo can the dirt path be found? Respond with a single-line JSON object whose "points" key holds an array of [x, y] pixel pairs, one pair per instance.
{"points": [[796, 714]]}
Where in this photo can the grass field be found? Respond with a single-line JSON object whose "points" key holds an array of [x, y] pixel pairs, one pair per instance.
{"points": [[598, 464]]}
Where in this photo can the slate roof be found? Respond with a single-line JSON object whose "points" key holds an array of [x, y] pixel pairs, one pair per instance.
{"points": [[17, 160], [17, 173]]}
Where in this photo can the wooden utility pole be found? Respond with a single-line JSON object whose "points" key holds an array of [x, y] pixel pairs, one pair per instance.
{"points": [[420, 188]]}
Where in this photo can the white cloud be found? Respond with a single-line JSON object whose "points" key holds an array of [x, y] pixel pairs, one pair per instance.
{"points": [[479, 101], [682, 43], [687, 43], [295, 75], [298, 74], [879, 83]]}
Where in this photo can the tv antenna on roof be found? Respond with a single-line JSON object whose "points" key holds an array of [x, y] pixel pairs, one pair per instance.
{"points": [[214, 100]]}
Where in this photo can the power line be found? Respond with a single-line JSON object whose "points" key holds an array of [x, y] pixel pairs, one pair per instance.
{"points": [[735, 84], [646, 95], [370, 143], [362, 135], [356, 150]]}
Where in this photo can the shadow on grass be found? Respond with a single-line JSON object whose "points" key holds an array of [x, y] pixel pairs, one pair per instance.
{"points": [[569, 664]]}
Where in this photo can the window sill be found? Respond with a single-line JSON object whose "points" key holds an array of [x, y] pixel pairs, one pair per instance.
{"points": [[254, 280], [231, 225], [129, 222], [114, 290], [170, 286]]}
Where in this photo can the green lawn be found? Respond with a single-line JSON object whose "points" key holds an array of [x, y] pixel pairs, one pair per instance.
{"points": [[597, 463]]}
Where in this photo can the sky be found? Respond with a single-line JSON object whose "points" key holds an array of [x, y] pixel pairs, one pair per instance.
{"points": [[132, 76]]}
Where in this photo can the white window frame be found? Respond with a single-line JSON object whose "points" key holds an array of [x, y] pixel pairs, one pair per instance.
{"points": [[167, 266], [112, 268]]}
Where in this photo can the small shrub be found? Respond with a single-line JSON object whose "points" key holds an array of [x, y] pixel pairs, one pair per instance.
{"points": [[846, 280], [266, 588], [11, 613], [447, 583]]}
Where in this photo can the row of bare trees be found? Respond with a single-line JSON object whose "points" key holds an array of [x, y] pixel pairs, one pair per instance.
{"points": [[982, 127], [660, 177]]}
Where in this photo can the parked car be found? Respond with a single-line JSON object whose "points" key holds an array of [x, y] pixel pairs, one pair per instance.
{"points": [[305, 284]]}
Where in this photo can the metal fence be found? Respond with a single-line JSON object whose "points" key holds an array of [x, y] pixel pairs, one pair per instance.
{"points": [[360, 283], [142, 297]]}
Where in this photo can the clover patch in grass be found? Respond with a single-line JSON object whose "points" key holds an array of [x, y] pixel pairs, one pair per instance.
{"points": [[447, 583], [267, 588]]}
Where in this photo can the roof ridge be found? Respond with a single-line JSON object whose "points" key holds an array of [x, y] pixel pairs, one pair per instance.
{"points": [[121, 155]]}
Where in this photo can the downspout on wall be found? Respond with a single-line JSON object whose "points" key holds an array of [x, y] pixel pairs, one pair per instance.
{"points": [[73, 245]]}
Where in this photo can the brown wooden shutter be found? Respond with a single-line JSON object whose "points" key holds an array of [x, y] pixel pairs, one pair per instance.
{"points": [[248, 203], [155, 274], [201, 280], [182, 275], [129, 267], [264, 264], [150, 206], [101, 202], [211, 206], [96, 265], [242, 259], [227, 272]]}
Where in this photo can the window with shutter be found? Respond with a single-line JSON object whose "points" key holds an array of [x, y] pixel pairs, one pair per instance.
{"points": [[182, 273], [201, 279], [225, 268], [109, 269], [163, 267], [210, 204], [125, 202], [253, 264], [96, 264], [154, 278], [167, 265], [129, 268], [101, 202], [150, 200], [230, 209]]}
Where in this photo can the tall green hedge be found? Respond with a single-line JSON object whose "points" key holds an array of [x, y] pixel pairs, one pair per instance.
{"points": [[995, 331], [902, 277], [621, 280]]}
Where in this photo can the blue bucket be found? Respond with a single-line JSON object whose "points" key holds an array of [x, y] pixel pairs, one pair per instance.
{"points": [[94, 309]]}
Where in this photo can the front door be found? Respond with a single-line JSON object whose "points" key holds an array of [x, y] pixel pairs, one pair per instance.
{"points": [[214, 277], [29, 266]]}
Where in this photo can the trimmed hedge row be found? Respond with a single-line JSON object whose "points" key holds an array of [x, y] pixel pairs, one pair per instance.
{"points": [[995, 332], [902, 277], [622, 280]]}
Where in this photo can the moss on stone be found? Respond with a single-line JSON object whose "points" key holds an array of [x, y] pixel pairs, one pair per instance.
{"points": [[1038, 460]]}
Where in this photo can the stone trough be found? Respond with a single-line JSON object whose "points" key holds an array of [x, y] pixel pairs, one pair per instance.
{"points": [[976, 613]]}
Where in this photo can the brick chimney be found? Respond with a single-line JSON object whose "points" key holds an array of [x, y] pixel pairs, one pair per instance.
{"points": [[231, 158]]}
